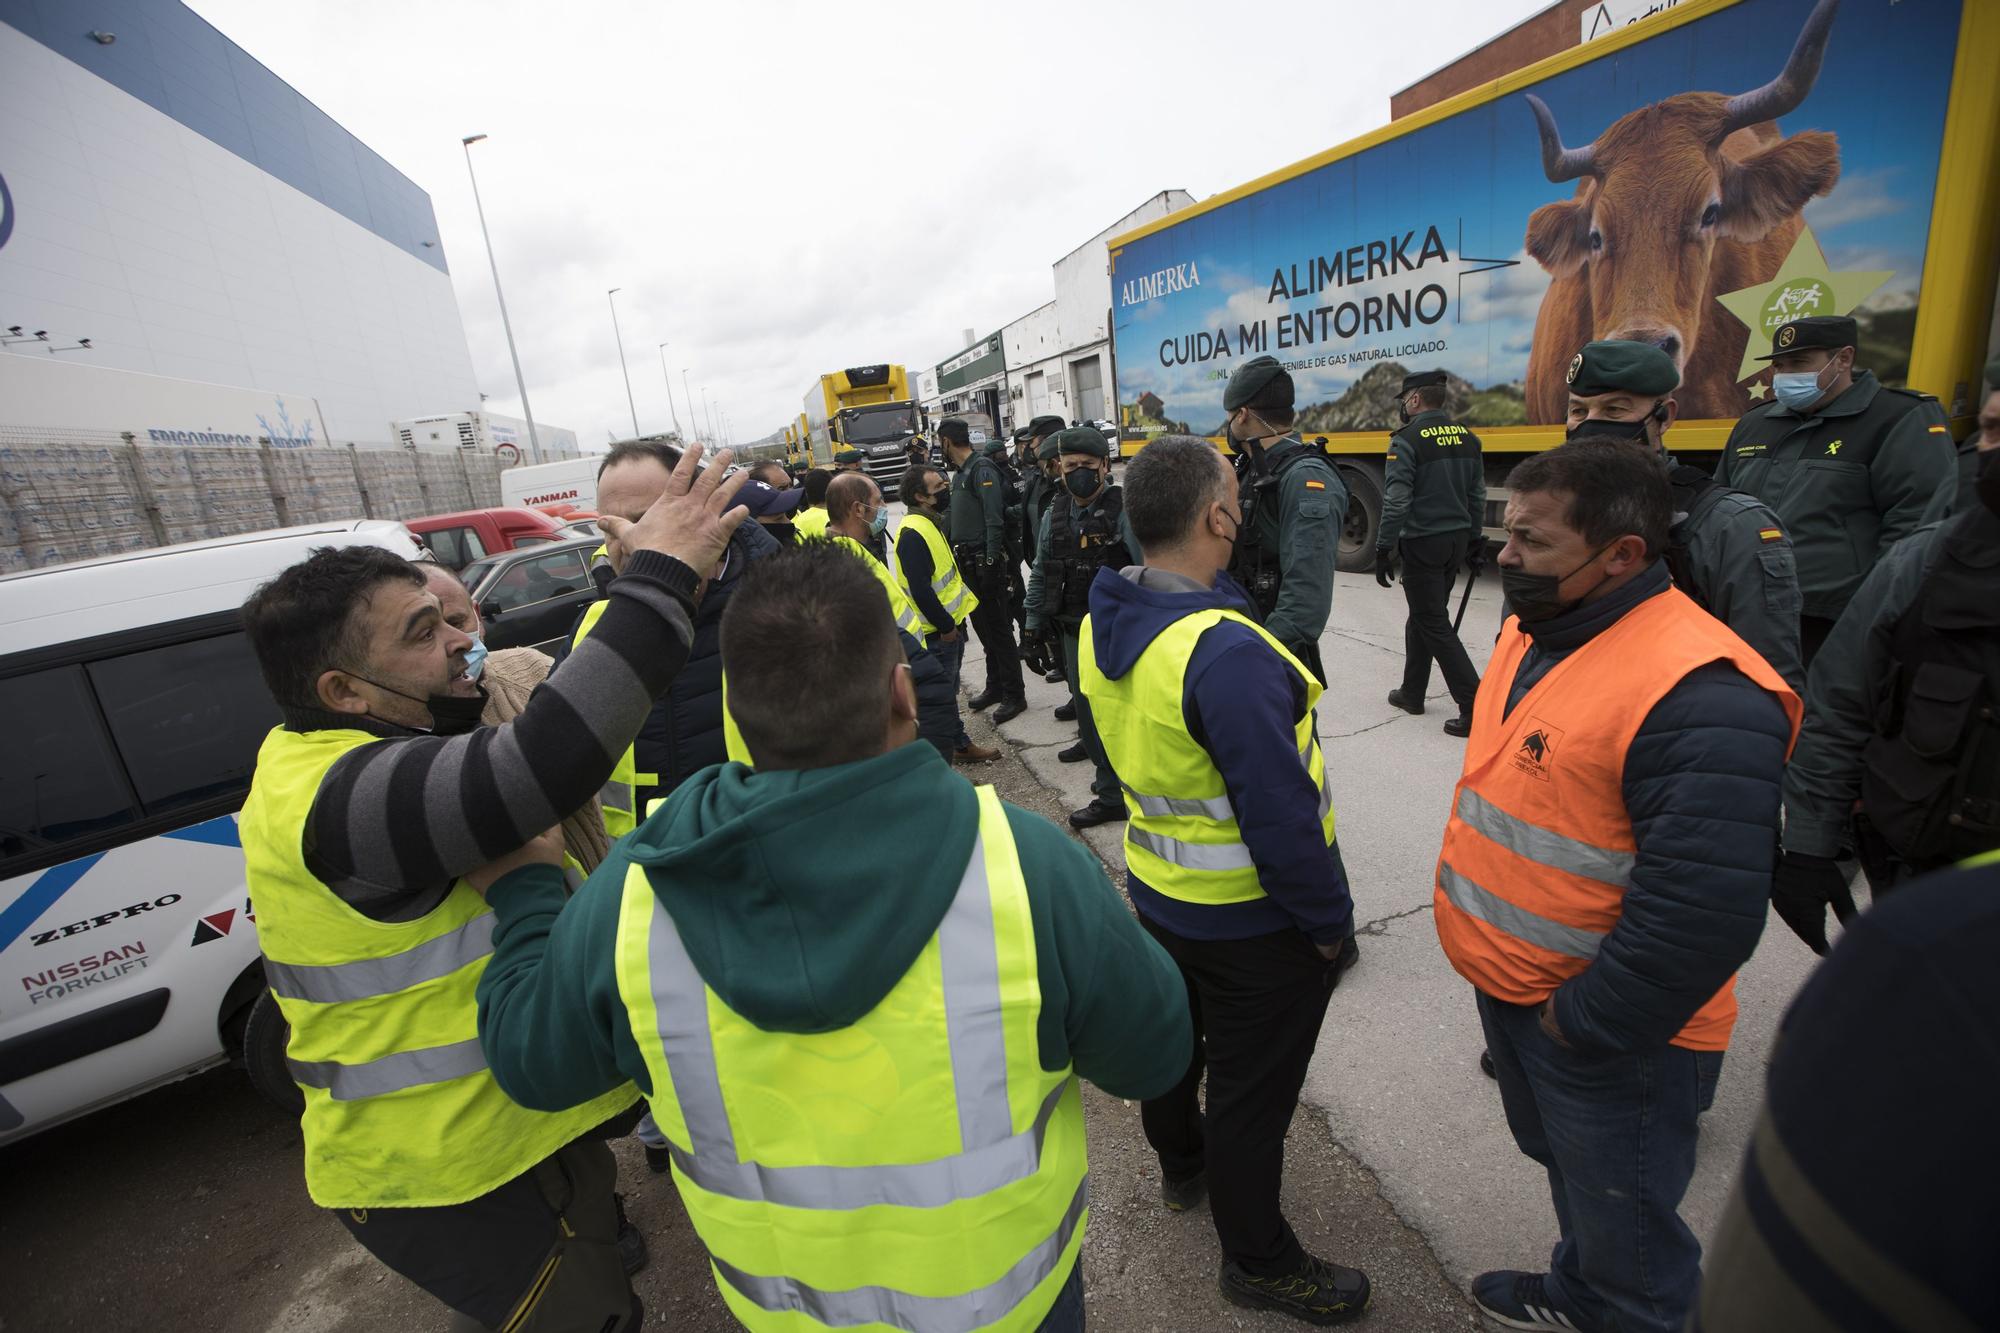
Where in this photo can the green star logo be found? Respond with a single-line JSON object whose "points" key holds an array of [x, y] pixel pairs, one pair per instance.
{"points": [[1802, 286]]}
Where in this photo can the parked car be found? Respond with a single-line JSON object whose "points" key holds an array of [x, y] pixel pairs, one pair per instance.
{"points": [[531, 598], [134, 709], [473, 534], [586, 526]]}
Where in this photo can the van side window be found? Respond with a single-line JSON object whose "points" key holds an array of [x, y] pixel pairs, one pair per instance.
{"points": [[539, 579], [61, 781], [455, 547], [187, 718]]}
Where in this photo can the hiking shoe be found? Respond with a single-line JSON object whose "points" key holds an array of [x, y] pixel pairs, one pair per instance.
{"points": [[1181, 1195], [1073, 753], [1519, 1300], [970, 753], [1065, 712], [1317, 1292], [631, 1245], [1414, 707]]}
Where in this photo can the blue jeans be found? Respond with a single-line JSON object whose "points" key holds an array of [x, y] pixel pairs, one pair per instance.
{"points": [[1616, 1134], [1066, 1315], [952, 656]]}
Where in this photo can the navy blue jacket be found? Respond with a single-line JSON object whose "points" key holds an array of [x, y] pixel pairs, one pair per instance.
{"points": [[1242, 704], [1701, 786]]}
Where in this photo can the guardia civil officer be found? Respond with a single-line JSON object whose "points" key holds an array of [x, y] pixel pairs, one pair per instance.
{"points": [[1903, 713], [1433, 516], [1294, 503], [774, 982], [977, 527], [1085, 531], [1849, 466], [849, 460], [1037, 484], [1726, 550], [1984, 438]]}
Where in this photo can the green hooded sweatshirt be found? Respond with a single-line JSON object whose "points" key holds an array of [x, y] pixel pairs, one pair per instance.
{"points": [[803, 898]]}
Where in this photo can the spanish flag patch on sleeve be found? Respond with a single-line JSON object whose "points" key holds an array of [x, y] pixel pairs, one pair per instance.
{"points": [[1771, 534], [1938, 430], [1315, 485]]}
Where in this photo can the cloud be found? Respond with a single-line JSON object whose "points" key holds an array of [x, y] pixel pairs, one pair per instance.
{"points": [[1859, 197]]}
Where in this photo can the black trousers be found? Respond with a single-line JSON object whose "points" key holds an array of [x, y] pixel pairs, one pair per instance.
{"points": [[1257, 1006], [1103, 782], [1430, 568], [538, 1254], [993, 622]]}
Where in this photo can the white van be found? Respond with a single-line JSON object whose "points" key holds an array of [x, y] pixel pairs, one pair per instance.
{"points": [[572, 481], [133, 711]]}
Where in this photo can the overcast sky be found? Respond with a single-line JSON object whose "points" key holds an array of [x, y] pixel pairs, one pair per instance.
{"points": [[780, 189]]}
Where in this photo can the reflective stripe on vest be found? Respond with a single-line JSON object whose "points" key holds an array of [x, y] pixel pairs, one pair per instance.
{"points": [[1539, 850], [1182, 839], [917, 1169], [400, 1108], [619, 796], [901, 607], [947, 583]]}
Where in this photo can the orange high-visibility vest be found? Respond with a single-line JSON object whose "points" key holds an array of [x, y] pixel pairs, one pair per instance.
{"points": [[1539, 850]]}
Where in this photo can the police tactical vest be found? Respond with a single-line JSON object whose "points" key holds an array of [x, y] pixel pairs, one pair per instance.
{"points": [[1695, 494], [401, 1110], [1077, 550], [1253, 564], [1930, 779], [917, 1169]]}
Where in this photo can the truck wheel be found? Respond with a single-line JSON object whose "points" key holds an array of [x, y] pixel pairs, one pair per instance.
{"points": [[1364, 517], [264, 1037]]}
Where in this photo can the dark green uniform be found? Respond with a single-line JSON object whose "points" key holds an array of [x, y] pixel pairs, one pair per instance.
{"points": [[1077, 540], [1969, 459], [1848, 481], [1729, 552], [977, 530], [1903, 709], [1433, 509], [1294, 504]]}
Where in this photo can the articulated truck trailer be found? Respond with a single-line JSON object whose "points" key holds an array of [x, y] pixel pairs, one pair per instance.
{"points": [[1693, 181]]}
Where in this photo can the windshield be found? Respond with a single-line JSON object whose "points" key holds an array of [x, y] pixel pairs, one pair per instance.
{"points": [[873, 425]]}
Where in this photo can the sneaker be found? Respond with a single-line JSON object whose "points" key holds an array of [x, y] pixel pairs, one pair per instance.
{"points": [[1181, 1195], [1065, 712], [969, 753], [1099, 811], [1010, 709], [1414, 707], [1317, 1292], [631, 1245], [657, 1160], [1073, 753], [1519, 1300]]}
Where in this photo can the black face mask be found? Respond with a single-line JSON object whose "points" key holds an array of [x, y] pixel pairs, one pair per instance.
{"points": [[450, 715], [781, 531], [1082, 483], [1632, 431], [1987, 487], [1403, 411], [1538, 597]]}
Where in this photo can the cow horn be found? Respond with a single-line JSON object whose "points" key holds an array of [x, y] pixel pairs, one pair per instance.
{"points": [[1782, 95], [1561, 164]]}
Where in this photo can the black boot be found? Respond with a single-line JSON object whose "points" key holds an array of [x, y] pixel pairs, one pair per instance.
{"points": [[1397, 699], [1066, 711], [1099, 811], [986, 698], [1010, 709]]}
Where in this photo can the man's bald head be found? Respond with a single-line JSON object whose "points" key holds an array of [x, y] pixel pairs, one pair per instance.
{"points": [[850, 491]]}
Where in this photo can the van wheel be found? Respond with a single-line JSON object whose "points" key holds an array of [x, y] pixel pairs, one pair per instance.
{"points": [[1364, 517], [264, 1036]]}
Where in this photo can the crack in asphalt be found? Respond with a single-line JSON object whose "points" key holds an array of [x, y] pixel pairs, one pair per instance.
{"points": [[1379, 926]]}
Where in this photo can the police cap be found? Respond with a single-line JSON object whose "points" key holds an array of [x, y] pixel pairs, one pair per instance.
{"points": [[1421, 379], [849, 456], [1081, 440], [1813, 333], [1022, 434], [1630, 367], [1258, 382], [1044, 426]]}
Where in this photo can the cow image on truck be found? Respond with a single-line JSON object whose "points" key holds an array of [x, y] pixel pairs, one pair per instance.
{"points": [[867, 408], [1693, 181]]}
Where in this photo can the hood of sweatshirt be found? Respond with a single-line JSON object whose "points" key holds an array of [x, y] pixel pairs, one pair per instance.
{"points": [[803, 897], [1129, 608]]}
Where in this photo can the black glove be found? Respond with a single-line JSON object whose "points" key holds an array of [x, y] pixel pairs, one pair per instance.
{"points": [[1803, 888], [1034, 650], [1385, 567], [1475, 558]]}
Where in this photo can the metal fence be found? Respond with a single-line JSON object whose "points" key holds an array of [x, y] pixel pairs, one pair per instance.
{"points": [[72, 495]]}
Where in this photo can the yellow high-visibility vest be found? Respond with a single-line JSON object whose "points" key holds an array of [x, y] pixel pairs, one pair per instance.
{"points": [[946, 583]]}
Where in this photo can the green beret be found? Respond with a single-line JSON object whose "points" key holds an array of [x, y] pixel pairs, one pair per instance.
{"points": [[1046, 449], [850, 456], [1258, 382], [1612, 367], [1081, 440]]}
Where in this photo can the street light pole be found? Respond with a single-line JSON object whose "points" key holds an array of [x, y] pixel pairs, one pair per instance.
{"points": [[612, 297], [693, 420], [708, 413], [534, 441], [670, 392]]}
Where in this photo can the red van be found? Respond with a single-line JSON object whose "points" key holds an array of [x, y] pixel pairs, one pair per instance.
{"points": [[473, 534]]}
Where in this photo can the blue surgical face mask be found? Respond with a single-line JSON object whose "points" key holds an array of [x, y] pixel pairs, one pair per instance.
{"points": [[879, 524], [1798, 389], [475, 658]]}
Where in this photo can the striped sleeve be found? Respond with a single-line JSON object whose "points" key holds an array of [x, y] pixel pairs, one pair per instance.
{"points": [[394, 824]]}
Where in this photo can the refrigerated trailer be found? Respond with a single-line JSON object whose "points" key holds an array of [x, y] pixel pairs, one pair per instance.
{"points": [[1694, 181]]}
